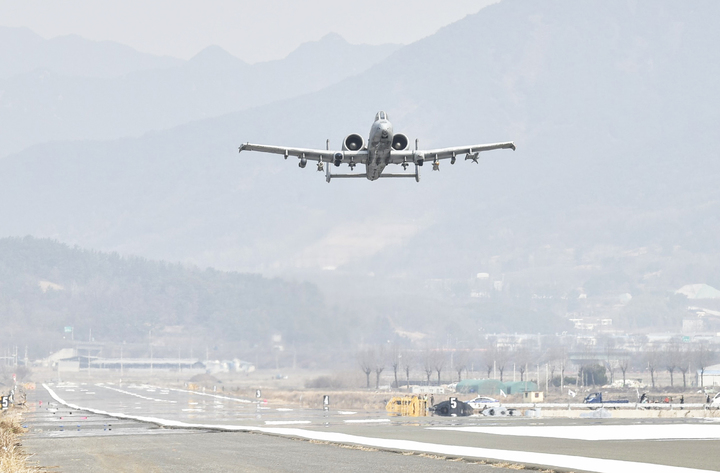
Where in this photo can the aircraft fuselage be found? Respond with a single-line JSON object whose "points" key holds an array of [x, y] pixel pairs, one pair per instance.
{"points": [[383, 147], [379, 146]]}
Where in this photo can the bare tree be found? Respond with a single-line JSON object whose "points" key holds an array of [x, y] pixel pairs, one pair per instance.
{"points": [[395, 360], [653, 359], [610, 358], [366, 362], [428, 364], [684, 365], [379, 364], [524, 356], [439, 360], [408, 358], [624, 364], [461, 362], [672, 358], [489, 365], [703, 356], [501, 355]]}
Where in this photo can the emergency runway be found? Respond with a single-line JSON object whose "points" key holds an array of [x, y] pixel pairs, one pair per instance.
{"points": [[598, 445]]}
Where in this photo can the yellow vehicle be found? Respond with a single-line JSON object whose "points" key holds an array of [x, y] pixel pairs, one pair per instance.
{"points": [[409, 406]]}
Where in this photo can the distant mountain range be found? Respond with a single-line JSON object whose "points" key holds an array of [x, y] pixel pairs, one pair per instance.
{"points": [[69, 88], [613, 105], [22, 51]]}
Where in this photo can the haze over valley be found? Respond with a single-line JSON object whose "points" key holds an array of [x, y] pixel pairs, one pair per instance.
{"points": [[606, 209]]}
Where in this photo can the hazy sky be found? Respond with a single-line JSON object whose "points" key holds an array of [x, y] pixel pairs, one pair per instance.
{"points": [[250, 29]]}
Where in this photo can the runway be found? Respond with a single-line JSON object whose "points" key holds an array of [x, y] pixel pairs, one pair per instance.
{"points": [[593, 445]]}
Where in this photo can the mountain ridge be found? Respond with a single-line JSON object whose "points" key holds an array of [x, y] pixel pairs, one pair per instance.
{"points": [[611, 180], [44, 105]]}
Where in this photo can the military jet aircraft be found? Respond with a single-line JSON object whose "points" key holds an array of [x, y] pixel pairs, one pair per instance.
{"points": [[383, 147]]}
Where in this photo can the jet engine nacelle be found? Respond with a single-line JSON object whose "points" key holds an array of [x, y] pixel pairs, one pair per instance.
{"points": [[400, 142], [353, 142]]}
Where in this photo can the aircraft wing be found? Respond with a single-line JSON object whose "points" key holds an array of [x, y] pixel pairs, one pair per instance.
{"points": [[326, 156], [444, 153]]}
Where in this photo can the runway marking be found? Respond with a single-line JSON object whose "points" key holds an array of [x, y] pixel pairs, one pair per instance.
{"points": [[596, 465], [286, 422], [244, 401], [602, 432], [365, 421], [136, 395]]}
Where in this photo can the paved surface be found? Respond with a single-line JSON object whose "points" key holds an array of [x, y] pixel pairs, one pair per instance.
{"points": [[224, 452], [139, 446], [68, 440]]}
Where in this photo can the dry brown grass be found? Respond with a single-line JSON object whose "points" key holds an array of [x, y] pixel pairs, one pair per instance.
{"points": [[12, 458]]}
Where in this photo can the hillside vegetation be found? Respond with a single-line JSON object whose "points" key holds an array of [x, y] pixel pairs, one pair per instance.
{"points": [[46, 286]]}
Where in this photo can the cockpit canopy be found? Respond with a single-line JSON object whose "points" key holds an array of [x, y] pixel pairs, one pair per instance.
{"points": [[381, 116]]}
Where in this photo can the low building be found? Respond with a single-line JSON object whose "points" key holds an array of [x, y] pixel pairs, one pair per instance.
{"points": [[487, 387], [427, 389], [148, 363], [710, 377], [493, 387]]}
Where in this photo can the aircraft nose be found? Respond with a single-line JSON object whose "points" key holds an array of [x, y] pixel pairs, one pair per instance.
{"points": [[384, 130]]}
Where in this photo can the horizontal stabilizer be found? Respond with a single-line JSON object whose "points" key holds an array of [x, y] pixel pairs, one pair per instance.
{"points": [[407, 174], [329, 176], [348, 175]]}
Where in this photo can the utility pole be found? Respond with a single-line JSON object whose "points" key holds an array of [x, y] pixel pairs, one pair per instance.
{"points": [[151, 352]]}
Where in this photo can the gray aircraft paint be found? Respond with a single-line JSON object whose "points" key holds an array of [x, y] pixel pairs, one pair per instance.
{"points": [[377, 153]]}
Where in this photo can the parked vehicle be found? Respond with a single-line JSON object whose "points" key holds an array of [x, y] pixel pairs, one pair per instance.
{"points": [[716, 401], [597, 398], [452, 407], [483, 402]]}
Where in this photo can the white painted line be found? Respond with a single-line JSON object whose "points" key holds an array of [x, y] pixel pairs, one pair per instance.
{"points": [[346, 413], [365, 421], [244, 401], [286, 422], [136, 395], [597, 465], [603, 432]]}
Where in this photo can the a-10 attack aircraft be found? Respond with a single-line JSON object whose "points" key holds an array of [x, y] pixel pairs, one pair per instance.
{"points": [[383, 147]]}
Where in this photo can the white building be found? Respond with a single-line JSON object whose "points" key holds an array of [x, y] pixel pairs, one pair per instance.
{"points": [[711, 376]]}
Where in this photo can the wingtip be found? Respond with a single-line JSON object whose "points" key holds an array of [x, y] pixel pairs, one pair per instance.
{"points": [[512, 145]]}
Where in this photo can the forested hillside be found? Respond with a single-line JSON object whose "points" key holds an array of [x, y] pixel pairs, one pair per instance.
{"points": [[46, 286]]}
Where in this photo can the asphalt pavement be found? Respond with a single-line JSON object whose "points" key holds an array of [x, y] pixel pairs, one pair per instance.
{"points": [[214, 432]]}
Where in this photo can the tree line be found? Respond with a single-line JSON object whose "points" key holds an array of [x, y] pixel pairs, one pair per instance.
{"points": [[560, 361]]}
